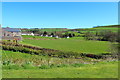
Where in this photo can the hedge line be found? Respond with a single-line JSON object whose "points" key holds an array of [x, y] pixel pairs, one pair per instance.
{"points": [[16, 47], [52, 53], [26, 46], [21, 49]]}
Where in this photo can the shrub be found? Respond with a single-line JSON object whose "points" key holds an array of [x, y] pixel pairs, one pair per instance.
{"points": [[44, 67], [77, 65], [21, 49], [62, 65], [6, 62], [28, 65]]}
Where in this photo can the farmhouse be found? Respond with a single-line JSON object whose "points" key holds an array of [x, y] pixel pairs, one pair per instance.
{"points": [[11, 34]]}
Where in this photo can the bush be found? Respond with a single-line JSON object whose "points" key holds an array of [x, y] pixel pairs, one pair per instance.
{"points": [[21, 49], [28, 66], [44, 67], [6, 62], [77, 65], [62, 65]]}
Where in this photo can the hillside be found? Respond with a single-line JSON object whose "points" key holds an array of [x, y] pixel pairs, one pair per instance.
{"points": [[76, 53], [113, 26]]}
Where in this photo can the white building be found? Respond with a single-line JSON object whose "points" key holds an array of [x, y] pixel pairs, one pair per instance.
{"points": [[28, 34], [68, 37]]}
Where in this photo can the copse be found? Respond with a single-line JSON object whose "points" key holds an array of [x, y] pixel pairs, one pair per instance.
{"points": [[110, 36], [102, 36], [90, 36]]}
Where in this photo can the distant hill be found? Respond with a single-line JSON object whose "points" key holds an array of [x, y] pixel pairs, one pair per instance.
{"points": [[108, 26], [113, 28]]}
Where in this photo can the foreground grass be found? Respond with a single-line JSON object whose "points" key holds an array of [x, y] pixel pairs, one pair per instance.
{"points": [[99, 70], [74, 45], [19, 58], [95, 70]]}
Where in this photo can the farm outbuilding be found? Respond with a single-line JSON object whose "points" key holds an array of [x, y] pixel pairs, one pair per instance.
{"points": [[11, 34]]}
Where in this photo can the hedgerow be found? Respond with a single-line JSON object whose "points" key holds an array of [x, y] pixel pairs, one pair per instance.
{"points": [[44, 51]]}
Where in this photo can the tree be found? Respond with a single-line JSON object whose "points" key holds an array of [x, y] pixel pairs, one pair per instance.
{"points": [[73, 34], [70, 35], [45, 33], [115, 50], [52, 34], [90, 36], [110, 36]]}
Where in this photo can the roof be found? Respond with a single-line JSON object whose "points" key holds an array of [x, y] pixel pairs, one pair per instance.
{"points": [[12, 29]]}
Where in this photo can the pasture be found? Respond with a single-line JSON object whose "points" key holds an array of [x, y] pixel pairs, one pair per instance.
{"points": [[99, 29], [114, 29], [53, 29], [23, 65], [72, 44]]}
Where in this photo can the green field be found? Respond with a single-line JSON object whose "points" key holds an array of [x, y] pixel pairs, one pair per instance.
{"points": [[24, 65], [53, 30], [72, 44], [114, 29], [100, 70], [99, 29], [49, 30]]}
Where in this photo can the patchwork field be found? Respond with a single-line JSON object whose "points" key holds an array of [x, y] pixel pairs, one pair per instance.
{"points": [[27, 62]]}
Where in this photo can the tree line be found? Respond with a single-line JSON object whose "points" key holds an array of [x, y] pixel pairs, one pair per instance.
{"points": [[102, 36]]}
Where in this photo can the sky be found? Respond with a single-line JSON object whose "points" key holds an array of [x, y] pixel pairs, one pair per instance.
{"points": [[60, 0], [0, 12], [59, 14]]}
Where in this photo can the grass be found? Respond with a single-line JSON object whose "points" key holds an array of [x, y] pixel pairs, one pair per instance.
{"points": [[99, 70], [99, 29], [37, 37], [72, 44], [63, 68], [114, 29], [53, 30], [23, 58], [50, 30]]}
